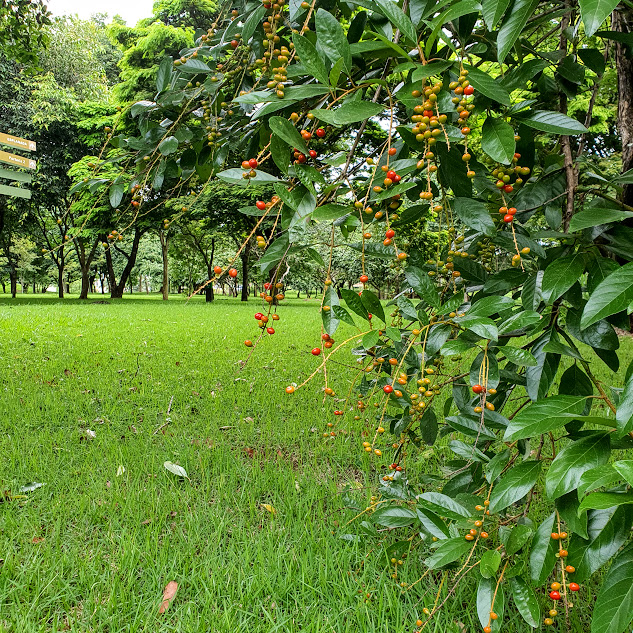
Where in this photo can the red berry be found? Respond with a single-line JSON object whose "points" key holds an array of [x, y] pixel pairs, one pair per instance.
{"points": [[554, 595], [512, 210], [268, 285], [508, 188], [574, 586], [391, 174], [233, 273], [397, 178], [478, 389], [245, 165], [320, 132], [392, 151], [248, 343], [369, 315], [234, 43], [468, 90], [217, 270], [260, 204], [387, 389], [301, 158], [338, 413], [270, 330], [364, 279], [316, 351], [258, 316], [390, 233], [313, 153], [428, 113], [325, 337], [252, 163], [508, 218]]}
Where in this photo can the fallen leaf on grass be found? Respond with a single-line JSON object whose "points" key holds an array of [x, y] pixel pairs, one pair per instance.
{"points": [[120, 470], [168, 595], [146, 522], [37, 540], [268, 507], [31, 487], [176, 470]]}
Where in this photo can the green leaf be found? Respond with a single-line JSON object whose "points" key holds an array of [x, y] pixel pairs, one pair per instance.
{"points": [[595, 12], [432, 524], [519, 536], [394, 517], [280, 152], [443, 505], [489, 563], [574, 460], [483, 82], [481, 326], [332, 40], [486, 590], [448, 552], [592, 216], [553, 122], [175, 469], [371, 339], [343, 315], [497, 140], [274, 253], [354, 303], [168, 145], [372, 303], [330, 211], [543, 416], [407, 310], [252, 22], [597, 478], [420, 282], [348, 113], [310, 59], [561, 275], [614, 605], [474, 214], [398, 18], [516, 483], [604, 500], [518, 356], [487, 306], [625, 468], [543, 551], [495, 466], [194, 66], [234, 176], [492, 11], [163, 77], [526, 601], [286, 131], [519, 320], [612, 295], [116, 194], [607, 531], [513, 25]]}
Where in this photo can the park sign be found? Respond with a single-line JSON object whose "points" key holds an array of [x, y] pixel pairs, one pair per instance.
{"points": [[16, 141], [17, 161]]}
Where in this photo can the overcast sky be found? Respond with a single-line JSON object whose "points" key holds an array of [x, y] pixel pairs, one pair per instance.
{"points": [[130, 10]]}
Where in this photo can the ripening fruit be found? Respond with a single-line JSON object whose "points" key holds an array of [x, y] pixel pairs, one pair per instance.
{"points": [[555, 586], [570, 569], [387, 389], [508, 218], [248, 343], [270, 330], [364, 279], [290, 389], [574, 586], [234, 43], [252, 163], [554, 595], [390, 234], [260, 204], [232, 273], [316, 351], [320, 132], [392, 151], [478, 389], [548, 621], [217, 270]]}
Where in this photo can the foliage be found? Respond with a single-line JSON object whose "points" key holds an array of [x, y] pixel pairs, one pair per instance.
{"points": [[22, 25]]}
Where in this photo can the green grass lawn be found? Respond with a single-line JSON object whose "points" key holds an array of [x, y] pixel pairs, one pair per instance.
{"points": [[93, 549]]}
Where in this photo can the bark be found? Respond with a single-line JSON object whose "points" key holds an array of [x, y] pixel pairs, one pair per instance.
{"points": [[13, 276], [164, 249], [116, 289], [85, 261], [245, 257], [60, 280], [622, 22]]}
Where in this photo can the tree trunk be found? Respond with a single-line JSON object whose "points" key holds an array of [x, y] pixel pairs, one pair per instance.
{"points": [[244, 257], [622, 22], [164, 248], [14, 283], [60, 281], [116, 290]]}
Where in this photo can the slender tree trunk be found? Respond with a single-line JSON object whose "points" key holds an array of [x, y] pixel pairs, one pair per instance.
{"points": [[622, 22], [245, 257], [60, 281], [164, 249], [116, 290], [14, 282]]}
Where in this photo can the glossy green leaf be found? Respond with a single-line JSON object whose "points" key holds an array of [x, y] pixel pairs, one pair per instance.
{"points": [[574, 460], [116, 194], [597, 478], [396, 16], [497, 140], [330, 322], [354, 303], [252, 22], [348, 113], [561, 275], [163, 76], [543, 416], [625, 468], [310, 59], [372, 304], [286, 131], [420, 282], [553, 122], [543, 551], [474, 214], [612, 295], [489, 563], [592, 216], [168, 145], [332, 40], [443, 505], [519, 536], [487, 601], [393, 516], [518, 356], [614, 604], [487, 86], [330, 211], [526, 601], [519, 320], [371, 339], [492, 11], [513, 25], [432, 524], [448, 552], [595, 12], [481, 326], [514, 485], [603, 500], [343, 315]]}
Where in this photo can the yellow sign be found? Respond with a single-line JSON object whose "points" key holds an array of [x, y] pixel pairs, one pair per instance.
{"points": [[18, 161], [16, 141]]}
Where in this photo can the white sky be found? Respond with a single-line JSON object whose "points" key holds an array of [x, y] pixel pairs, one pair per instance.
{"points": [[130, 10]]}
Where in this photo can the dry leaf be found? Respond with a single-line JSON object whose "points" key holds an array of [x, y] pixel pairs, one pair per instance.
{"points": [[168, 595], [268, 507], [146, 522], [37, 539]]}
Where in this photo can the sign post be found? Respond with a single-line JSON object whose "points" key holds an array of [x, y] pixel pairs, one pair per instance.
{"points": [[17, 161]]}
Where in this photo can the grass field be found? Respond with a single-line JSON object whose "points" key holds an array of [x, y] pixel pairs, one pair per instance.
{"points": [[93, 549]]}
